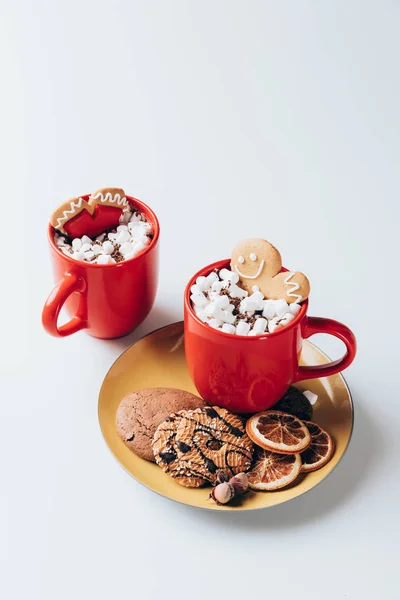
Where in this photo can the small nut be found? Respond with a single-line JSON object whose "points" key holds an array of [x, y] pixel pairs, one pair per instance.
{"points": [[222, 493], [240, 483]]}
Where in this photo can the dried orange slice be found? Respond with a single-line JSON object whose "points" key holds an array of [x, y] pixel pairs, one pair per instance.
{"points": [[272, 471], [320, 450], [278, 432]]}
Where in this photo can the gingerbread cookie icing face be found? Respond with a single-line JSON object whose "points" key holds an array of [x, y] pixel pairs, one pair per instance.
{"points": [[256, 261]]}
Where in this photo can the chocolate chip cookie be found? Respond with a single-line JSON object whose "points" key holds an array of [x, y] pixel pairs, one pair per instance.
{"points": [[194, 444], [140, 413]]}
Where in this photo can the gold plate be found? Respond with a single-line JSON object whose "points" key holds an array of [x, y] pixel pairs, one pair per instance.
{"points": [[158, 360]]}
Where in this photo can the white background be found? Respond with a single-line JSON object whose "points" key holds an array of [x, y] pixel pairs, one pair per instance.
{"points": [[232, 119]]}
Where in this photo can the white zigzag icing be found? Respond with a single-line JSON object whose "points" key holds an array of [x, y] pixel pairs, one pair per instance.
{"points": [[110, 198], [295, 287], [66, 213]]}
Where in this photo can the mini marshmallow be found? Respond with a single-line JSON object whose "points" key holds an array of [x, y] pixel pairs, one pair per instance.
{"points": [[96, 249], [135, 217], [126, 248], [105, 259], [217, 286], [202, 283], [76, 244], [236, 292], [199, 299], [248, 304], [112, 236], [77, 255], [294, 308], [260, 325], [85, 239], [59, 240], [230, 308], [108, 248], [212, 310], [214, 323], [269, 309], [122, 237], [88, 255], [129, 255], [272, 325], [211, 278], [229, 275], [227, 317], [287, 317], [242, 328], [227, 328], [122, 228], [195, 289], [251, 333], [222, 301], [281, 307], [202, 315], [85, 247], [311, 397]]}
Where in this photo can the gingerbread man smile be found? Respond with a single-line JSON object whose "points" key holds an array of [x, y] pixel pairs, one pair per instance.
{"points": [[241, 260]]}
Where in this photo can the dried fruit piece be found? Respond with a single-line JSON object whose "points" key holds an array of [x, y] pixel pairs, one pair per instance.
{"points": [[320, 451], [278, 432], [272, 471]]}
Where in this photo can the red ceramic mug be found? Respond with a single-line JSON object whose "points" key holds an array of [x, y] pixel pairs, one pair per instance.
{"points": [[249, 374], [108, 301]]}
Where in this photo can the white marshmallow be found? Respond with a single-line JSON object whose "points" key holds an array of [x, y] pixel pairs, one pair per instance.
{"points": [[202, 315], [227, 317], [135, 217], [251, 303], [211, 278], [97, 249], [214, 323], [77, 255], [230, 308], [126, 248], [88, 255], [112, 236], [311, 397], [195, 289], [227, 328], [129, 255], [217, 286], [272, 325], [85, 239], [294, 308], [199, 299], [212, 310], [287, 317], [122, 237], [85, 247], [281, 307], [59, 240], [229, 275], [222, 301], [122, 228], [242, 328], [260, 325], [202, 283], [138, 245], [269, 309], [236, 292], [108, 248], [105, 259], [76, 244], [251, 333]]}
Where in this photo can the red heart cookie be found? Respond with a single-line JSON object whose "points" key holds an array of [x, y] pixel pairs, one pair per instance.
{"points": [[101, 211]]}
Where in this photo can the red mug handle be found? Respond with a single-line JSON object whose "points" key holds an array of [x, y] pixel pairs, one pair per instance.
{"points": [[69, 284], [320, 325]]}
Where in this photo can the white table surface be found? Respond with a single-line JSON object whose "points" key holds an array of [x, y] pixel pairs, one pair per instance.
{"points": [[231, 119]]}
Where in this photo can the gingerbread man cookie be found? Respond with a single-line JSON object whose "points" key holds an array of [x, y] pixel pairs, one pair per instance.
{"points": [[257, 262], [78, 217]]}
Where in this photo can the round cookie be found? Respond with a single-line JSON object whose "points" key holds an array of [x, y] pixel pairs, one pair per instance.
{"points": [[212, 438], [256, 261], [167, 454], [140, 413]]}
